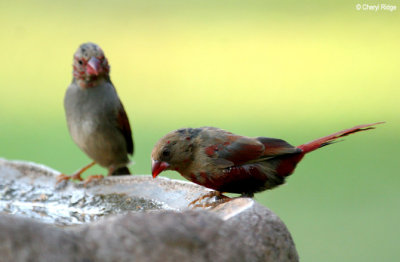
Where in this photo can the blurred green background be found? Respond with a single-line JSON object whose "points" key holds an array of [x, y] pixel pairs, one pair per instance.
{"points": [[286, 69]]}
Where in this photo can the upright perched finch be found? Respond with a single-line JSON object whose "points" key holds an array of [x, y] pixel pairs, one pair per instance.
{"points": [[226, 162], [95, 115]]}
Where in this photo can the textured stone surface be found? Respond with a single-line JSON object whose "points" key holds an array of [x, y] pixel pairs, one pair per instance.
{"points": [[240, 230], [23, 239]]}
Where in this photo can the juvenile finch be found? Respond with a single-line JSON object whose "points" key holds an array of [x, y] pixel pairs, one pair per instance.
{"points": [[96, 118]]}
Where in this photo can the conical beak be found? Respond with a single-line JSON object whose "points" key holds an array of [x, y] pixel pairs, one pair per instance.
{"points": [[157, 167], [93, 67]]}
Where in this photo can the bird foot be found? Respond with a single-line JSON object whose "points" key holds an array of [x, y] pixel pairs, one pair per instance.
{"points": [[92, 178], [63, 177], [76, 176], [215, 203], [220, 199]]}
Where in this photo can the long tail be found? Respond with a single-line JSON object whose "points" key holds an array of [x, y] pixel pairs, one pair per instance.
{"points": [[327, 140]]}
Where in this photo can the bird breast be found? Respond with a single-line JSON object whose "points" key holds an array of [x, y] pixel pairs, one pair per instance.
{"points": [[90, 110]]}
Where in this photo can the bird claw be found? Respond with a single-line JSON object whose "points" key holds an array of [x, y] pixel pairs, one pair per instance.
{"points": [[220, 199], [77, 176], [92, 178], [63, 177], [213, 204]]}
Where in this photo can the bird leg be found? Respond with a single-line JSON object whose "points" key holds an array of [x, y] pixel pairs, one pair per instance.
{"points": [[77, 175], [211, 194], [98, 177], [110, 170], [220, 199]]}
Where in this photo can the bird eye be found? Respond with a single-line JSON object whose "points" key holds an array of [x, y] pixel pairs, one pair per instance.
{"points": [[80, 62], [166, 152]]}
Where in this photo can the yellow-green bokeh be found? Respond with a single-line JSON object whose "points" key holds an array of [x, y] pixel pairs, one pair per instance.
{"points": [[284, 69]]}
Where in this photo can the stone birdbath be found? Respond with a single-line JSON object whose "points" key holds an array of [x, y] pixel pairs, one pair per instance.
{"points": [[129, 218]]}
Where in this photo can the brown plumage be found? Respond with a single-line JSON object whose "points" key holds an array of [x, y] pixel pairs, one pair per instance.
{"points": [[96, 118], [226, 162]]}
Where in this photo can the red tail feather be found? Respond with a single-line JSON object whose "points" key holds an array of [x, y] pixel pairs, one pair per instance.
{"points": [[323, 141]]}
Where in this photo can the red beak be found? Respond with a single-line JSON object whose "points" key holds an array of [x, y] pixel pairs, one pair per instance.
{"points": [[157, 167], [93, 67]]}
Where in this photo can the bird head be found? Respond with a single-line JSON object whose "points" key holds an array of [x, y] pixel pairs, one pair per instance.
{"points": [[174, 151], [89, 64]]}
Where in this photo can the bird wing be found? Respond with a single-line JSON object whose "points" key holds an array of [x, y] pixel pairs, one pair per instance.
{"points": [[276, 146], [227, 149], [238, 150], [125, 128]]}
